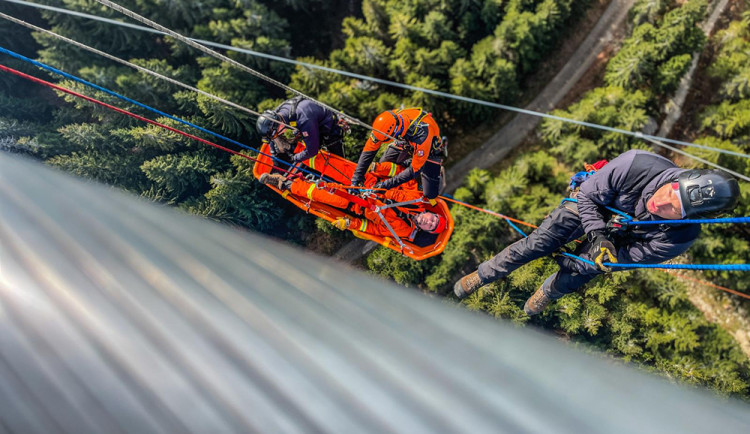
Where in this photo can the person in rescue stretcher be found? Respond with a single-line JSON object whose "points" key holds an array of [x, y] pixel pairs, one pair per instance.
{"points": [[404, 224]]}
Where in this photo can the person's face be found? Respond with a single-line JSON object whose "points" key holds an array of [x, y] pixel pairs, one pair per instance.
{"points": [[665, 202], [427, 221]]}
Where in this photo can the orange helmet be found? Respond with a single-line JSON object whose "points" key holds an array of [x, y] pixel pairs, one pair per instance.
{"points": [[388, 123]]}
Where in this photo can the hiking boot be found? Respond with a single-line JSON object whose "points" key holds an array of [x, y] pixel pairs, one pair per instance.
{"points": [[467, 285], [275, 180], [536, 303]]}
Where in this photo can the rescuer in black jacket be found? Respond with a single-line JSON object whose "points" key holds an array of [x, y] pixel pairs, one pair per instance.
{"points": [[314, 125], [643, 185]]}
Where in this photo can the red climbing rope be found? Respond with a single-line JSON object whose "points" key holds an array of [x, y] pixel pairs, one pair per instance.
{"points": [[125, 112]]}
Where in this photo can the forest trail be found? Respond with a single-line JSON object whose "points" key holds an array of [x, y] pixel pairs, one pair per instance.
{"points": [[674, 108], [724, 310], [513, 133]]}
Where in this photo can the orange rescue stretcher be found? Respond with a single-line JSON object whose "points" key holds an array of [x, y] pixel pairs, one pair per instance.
{"points": [[334, 168]]}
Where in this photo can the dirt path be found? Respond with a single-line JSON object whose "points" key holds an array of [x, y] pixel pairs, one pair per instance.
{"points": [[513, 133], [675, 104], [722, 309]]}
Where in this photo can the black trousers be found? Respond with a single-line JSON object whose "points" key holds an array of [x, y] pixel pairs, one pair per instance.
{"points": [[561, 227], [430, 173]]}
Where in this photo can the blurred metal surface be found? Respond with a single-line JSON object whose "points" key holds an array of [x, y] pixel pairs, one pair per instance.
{"points": [[118, 315]]}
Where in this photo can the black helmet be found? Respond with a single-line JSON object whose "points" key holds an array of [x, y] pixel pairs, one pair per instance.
{"points": [[706, 192], [266, 126]]}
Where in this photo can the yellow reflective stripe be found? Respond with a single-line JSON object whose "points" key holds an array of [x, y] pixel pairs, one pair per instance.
{"points": [[312, 162], [285, 194], [310, 191], [393, 170], [363, 226]]}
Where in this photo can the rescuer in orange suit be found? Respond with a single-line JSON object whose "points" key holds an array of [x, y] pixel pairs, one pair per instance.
{"points": [[417, 139], [403, 224]]}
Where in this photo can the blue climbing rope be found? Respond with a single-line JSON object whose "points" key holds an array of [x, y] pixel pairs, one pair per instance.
{"points": [[629, 220], [716, 267], [689, 221], [513, 225], [151, 109], [614, 210]]}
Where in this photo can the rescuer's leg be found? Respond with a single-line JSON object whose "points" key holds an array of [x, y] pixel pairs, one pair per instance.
{"points": [[559, 228], [555, 286]]}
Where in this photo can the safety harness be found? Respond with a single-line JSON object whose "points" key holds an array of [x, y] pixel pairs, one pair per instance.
{"points": [[589, 169], [412, 128], [436, 148], [292, 121]]}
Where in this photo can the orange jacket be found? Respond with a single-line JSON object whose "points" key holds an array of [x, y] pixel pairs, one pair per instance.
{"points": [[421, 139]]}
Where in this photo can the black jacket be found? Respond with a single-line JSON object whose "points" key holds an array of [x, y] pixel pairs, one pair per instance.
{"points": [[626, 183], [314, 122]]}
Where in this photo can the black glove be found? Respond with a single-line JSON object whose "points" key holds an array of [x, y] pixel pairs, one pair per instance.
{"points": [[601, 249], [274, 149], [378, 185]]}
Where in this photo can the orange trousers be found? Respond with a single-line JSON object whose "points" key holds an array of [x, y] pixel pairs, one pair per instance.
{"points": [[371, 224]]}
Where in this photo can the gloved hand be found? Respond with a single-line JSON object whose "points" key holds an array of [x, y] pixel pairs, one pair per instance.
{"points": [[344, 125], [341, 223], [378, 185], [601, 249], [274, 149]]}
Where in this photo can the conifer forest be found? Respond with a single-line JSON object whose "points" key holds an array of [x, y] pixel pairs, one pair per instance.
{"points": [[502, 51]]}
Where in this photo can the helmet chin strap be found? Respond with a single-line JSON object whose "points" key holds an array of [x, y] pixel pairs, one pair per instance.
{"points": [[683, 213]]}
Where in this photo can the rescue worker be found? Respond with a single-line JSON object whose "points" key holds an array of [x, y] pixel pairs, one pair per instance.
{"points": [[404, 225], [643, 185], [315, 126], [418, 146]]}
